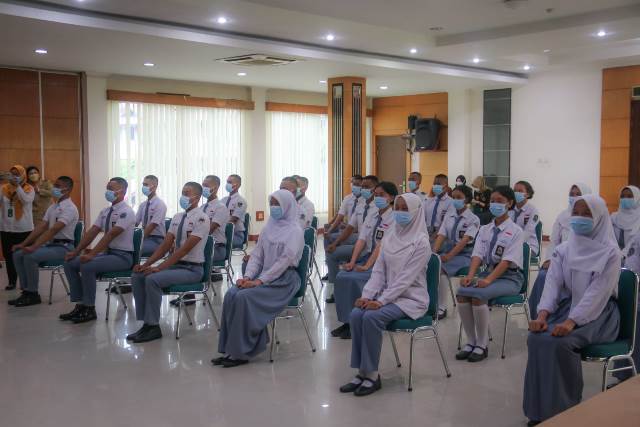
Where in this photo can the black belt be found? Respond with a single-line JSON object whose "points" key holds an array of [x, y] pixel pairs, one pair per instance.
{"points": [[508, 269], [197, 264], [63, 241], [292, 268], [220, 245], [155, 237]]}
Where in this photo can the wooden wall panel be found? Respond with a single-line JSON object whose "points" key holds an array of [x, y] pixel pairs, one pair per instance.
{"points": [[611, 159], [621, 78], [615, 133], [616, 104]]}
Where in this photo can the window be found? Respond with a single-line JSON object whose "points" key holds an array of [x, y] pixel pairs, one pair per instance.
{"points": [[177, 144], [497, 137], [297, 144]]}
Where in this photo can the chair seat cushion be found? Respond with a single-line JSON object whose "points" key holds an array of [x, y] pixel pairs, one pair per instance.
{"points": [[115, 274], [507, 300], [606, 350], [51, 263], [293, 302], [185, 287], [218, 264], [408, 324]]}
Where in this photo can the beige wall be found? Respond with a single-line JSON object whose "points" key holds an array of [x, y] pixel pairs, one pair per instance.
{"points": [[296, 97], [204, 90]]}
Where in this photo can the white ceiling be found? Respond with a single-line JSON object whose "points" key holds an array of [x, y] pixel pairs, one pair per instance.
{"points": [[373, 38]]}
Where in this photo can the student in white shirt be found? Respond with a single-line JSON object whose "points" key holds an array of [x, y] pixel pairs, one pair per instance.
{"points": [[413, 185], [577, 308], [525, 215], [307, 210], [237, 206], [150, 216], [51, 239], [626, 221], [437, 205], [347, 208]]}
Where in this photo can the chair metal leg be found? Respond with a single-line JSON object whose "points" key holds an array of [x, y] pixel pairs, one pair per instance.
{"points": [[315, 263], [51, 286], [63, 279], [395, 349], [525, 305], [605, 372], [411, 362], [213, 313], [460, 338], [106, 316], [178, 318], [506, 323], [306, 329], [124, 303], [186, 312], [315, 296], [453, 295], [444, 360], [273, 340]]}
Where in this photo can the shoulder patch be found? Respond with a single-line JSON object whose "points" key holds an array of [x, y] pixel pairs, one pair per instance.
{"points": [[239, 203], [535, 218], [123, 215], [201, 220]]}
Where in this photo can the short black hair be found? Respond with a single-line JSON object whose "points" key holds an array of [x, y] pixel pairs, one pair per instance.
{"points": [[372, 178], [295, 176], [357, 177], [441, 176], [528, 187], [303, 179], [195, 186], [505, 191], [66, 180], [30, 168], [152, 178], [121, 181], [416, 173], [466, 190], [291, 180], [236, 177], [213, 178], [389, 187]]}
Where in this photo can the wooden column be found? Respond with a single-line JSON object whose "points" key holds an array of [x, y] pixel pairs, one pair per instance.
{"points": [[347, 100]]}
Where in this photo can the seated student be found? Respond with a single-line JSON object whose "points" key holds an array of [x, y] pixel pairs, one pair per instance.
{"points": [[185, 240], [461, 180], [525, 214], [481, 198], [499, 248], [237, 206], [50, 240], [626, 221], [414, 182], [269, 283], [113, 252], [150, 216], [632, 262], [347, 208], [559, 234], [307, 210], [397, 288], [348, 286], [458, 230], [577, 308], [437, 204]]}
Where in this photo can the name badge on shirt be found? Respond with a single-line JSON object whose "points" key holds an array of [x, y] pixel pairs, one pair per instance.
{"points": [[113, 224], [526, 220], [379, 234], [461, 234], [499, 250], [10, 212]]}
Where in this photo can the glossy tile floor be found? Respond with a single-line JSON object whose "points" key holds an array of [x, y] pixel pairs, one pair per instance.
{"points": [[58, 374]]}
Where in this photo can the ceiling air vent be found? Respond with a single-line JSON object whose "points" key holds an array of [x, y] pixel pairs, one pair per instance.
{"points": [[258, 60], [635, 93]]}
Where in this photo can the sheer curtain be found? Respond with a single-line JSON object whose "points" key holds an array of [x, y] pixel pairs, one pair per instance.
{"points": [[297, 143], [175, 143]]}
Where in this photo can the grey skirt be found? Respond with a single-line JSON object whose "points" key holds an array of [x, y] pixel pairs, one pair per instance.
{"points": [[508, 284]]}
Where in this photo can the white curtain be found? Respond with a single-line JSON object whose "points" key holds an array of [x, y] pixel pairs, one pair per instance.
{"points": [[297, 143], [177, 144]]}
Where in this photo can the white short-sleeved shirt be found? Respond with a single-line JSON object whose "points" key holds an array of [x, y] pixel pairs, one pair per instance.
{"points": [[65, 212], [375, 227], [156, 215], [361, 214], [527, 219], [237, 206], [508, 246], [306, 212], [468, 225], [195, 224], [8, 221], [121, 216], [348, 206], [438, 206], [421, 194], [218, 213]]}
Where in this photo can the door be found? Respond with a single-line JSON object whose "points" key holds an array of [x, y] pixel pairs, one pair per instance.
{"points": [[391, 156], [634, 144]]}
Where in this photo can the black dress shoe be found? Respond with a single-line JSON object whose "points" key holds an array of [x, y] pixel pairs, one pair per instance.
{"points": [[153, 332], [477, 357], [325, 277], [13, 301], [442, 314], [464, 354], [27, 299], [365, 390], [10, 287], [87, 314], [346, 334], [232, 363], [68, 316], [350, 387], [219, 360], [532, 423], [188, 299], [330, 300], [134, 335], [338, 331]]}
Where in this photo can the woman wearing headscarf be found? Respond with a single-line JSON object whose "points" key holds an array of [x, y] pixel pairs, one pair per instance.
{"points": [[16, 221], [269, 283], [397, 288], [481, 200], [626, 221], [559, 233], [461, 180], [577, 308], [42, 188]]}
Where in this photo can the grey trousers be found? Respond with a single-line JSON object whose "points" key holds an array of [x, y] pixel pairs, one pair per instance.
{"points": [[330, 238], [367, 327], [147, 290], [82, 277], [347, 289], [149, 245], [27, 265], [536, 292], [342, 254]]}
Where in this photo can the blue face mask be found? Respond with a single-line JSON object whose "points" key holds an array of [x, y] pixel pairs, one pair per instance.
{"points": [[56, 193], [146, 190], [380, 202], [458, 204], [626, 203], [206, 192], [110, 195], [185, 202], [401, 217], [228, 187], [356, 190], [572, 201], [413, 185], [437, 189], [366, 193], [276, 212], [520, 197], [497, 209], [581, 225]]}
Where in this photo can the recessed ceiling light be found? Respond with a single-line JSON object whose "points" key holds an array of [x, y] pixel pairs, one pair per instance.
{"points": [[413, 50], [546, 51], [601, 33], [384, 87], [222, 20], [242, 74], [476, 60], [41, 51], [322, 82], [436, 28], [149, 64], [330, 37], [526, 67]]}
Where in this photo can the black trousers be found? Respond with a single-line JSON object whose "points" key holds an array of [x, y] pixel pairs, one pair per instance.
{"points": [[8, 240]]}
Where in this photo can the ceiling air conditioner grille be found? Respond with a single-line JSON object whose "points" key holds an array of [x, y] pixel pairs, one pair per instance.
{"points": [[258, 60]]}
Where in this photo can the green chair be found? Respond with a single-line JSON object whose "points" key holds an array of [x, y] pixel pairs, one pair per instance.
{"points": [[310, 240], [56, 267], [295, 304], [535, 258], [622, 348], [199, 288], [459, 274], [117, 278], [167, 224], [426, 324], [314, 222], [245, 238], [226, 262]]}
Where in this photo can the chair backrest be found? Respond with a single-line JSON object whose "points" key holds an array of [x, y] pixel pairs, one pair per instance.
{"points": [[309, 236], [526, 265], [167, 223], [314, 222], [539, 237], [303, 270], [228, 234], [628, 305], [77, 233], [208, 260], [137, 243], [433, 281], [247, 222]]}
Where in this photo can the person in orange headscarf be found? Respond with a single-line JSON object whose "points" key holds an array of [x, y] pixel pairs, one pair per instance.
{"points": [[16, 217]]}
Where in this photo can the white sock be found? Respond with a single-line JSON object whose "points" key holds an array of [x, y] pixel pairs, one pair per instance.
{"points": [[443, 291], [371, 376], [481, 316], [466, 316]]}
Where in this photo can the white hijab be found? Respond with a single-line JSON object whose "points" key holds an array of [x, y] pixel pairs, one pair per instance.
{"points": [[286, 230], [629, 219], [565, 215], [399, 242], [591, 253]]}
